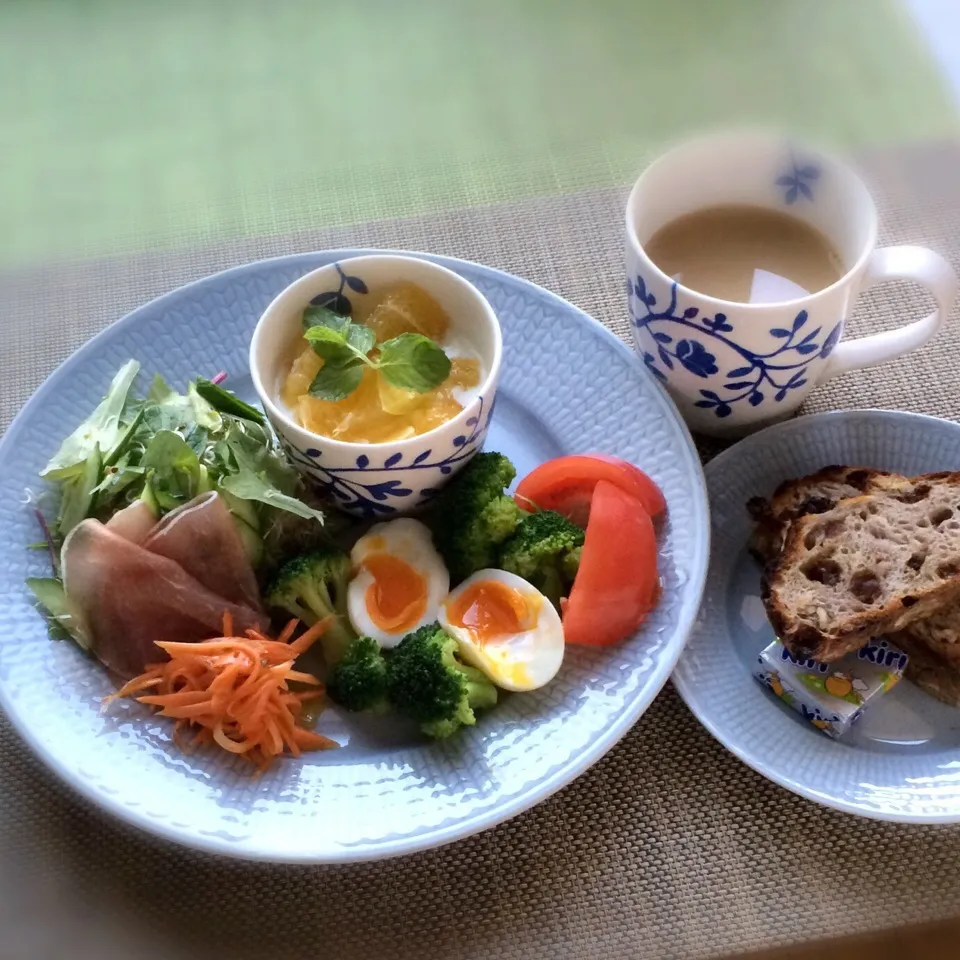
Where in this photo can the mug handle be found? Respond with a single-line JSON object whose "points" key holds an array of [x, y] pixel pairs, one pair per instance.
{"points": [[899, 263]]}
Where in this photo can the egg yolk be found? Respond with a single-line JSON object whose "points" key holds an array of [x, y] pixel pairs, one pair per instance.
{"points": [[397, 598], [492, 611]]}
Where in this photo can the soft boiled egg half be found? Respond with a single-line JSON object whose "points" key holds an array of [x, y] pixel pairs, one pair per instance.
{"points": [[505, 627], [398, 583]]}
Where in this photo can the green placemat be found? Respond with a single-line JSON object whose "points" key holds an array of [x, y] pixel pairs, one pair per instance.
{"points": [[135, 125]]}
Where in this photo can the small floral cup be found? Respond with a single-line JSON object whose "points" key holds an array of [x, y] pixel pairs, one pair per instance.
{"points": [[377, 480]]}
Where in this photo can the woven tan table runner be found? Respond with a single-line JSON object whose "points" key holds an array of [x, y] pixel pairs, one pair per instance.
{"points": [[667, 848]]}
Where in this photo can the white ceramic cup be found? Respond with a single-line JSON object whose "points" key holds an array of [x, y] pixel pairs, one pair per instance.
{"points": [[733, 366], [377, 480]]}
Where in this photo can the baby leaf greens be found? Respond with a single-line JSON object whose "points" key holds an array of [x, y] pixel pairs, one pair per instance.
{"points": [[101, 429], [226, 402], [410, 361], [50, 594], [167, 448]]}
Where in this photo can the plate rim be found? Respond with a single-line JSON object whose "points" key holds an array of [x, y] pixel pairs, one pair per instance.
{"points": [[482, 821], [688, 688]]}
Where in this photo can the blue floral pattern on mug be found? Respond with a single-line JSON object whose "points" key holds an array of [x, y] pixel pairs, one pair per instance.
{"points": [[684, 338], [798, 180], [363, 488]]}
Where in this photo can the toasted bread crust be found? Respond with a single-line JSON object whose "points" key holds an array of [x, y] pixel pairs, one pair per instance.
{"points": [[846, 574], [931, 673], [815, 493], [940, 634]]}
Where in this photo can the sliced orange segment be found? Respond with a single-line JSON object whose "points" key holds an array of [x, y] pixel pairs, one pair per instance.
{"points": [[406, 308]]}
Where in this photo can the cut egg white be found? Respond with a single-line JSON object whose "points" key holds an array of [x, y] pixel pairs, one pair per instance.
{"points": [[506, 628], [398, 583]]}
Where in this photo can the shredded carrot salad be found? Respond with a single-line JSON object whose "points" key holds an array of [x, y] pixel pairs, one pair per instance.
{"points": [[236, 690]]}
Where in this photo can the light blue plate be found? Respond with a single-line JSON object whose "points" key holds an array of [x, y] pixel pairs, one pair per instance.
{"points": [[568, 386], [902, 760]]}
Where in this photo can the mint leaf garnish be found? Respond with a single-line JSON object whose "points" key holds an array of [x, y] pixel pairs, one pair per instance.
{"points": [[323, 317], [413, 362], [339, 376], [360, 338], [410, 361], [326, 341]]}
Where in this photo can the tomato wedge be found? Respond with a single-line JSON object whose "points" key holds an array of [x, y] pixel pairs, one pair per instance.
{"points": [[617, 584], [566, 484]]}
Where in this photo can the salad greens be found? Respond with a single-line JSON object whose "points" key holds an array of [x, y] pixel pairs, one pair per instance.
{"points": [[410, 361], [51, 596], [101, 429], [167, 448]]}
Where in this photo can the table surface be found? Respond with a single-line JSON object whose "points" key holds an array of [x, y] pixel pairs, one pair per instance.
{"points": [[926, 942], [148, 145], [135, 125]]}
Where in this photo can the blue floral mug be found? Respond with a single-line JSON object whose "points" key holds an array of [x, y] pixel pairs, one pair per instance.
{"points": [[731, 366]]}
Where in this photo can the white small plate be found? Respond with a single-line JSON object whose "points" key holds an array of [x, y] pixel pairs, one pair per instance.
{"points": [[567, 386], [901, 762]]}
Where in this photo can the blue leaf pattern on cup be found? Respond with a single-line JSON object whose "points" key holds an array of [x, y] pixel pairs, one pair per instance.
{"points": [[337, 300], [334, 301], [651, 363], [678, 337], [718, 324], [831, 341], [797, 181], [363, 490], [710, 400]]}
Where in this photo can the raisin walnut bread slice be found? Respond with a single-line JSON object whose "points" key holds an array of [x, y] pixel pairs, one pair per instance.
{"points": [[939, 633], [933, 643], [815, 493], [871, 564], [928, 670]]}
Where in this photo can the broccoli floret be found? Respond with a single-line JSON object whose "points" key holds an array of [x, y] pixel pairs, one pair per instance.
{"points": [[313, 586], [359, 681], [545, 550], [570, 564], [429, 684], [474, 516]]}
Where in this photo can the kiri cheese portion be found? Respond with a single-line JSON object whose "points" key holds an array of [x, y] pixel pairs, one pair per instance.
{"points": [[831, 696]]}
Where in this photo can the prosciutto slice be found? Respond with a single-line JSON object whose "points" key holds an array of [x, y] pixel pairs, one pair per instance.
{"points": [[126, 597], [133, 522], [202, 537]]}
